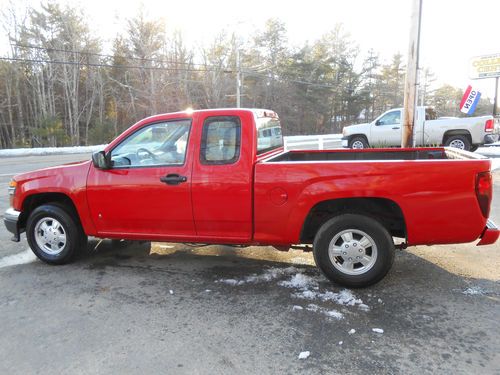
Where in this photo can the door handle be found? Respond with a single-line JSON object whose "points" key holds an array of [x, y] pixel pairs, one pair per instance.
{"points": [[173, 179], [396, 127]]}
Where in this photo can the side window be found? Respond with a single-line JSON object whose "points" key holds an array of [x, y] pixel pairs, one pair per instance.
{"points": [[220, 140], [391, 118], [162, 143], [268, 134]]}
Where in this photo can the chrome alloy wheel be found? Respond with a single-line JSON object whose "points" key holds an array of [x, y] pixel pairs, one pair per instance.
{"points": [[457, 143], [357, 144], [352, 252], [50, 236]]}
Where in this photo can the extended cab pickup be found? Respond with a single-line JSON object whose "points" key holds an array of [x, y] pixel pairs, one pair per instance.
{"points": [[466, 133], [208, 176]]}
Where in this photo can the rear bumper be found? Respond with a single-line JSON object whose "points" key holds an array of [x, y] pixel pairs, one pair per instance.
{"points": [[490, 138], [345, 142], [11, 221], [490, 234]]}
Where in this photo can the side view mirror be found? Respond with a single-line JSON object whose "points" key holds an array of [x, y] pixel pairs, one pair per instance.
{"points": [[100, 160], [378, 122]]}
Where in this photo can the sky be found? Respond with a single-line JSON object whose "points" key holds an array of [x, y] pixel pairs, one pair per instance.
{"points": [[452, 31]]}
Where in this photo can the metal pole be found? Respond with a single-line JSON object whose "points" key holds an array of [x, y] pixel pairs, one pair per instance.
{"points": [[410, 93], [238, 79], [495, 102]]}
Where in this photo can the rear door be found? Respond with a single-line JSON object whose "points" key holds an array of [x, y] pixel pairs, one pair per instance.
{"points": [[222, 177]]}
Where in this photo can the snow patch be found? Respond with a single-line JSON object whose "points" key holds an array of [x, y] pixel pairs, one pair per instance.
{"points": [[378, 330], [51, 150], [304, 355], [299, 281], [474, 291], [331, 313], [352, 331], [26, 256], [489, 151], [305, 287], [269, 275], [171, 291], [495, 164], [344, 297]]}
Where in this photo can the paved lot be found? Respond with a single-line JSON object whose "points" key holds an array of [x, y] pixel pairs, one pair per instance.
{"points": [[190, 310]]}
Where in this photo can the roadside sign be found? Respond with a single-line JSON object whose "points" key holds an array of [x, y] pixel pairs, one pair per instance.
{"points": [[486, 66], [469, 100]]}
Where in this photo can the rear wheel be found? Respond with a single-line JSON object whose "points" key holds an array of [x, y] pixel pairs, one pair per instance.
{"points": [[53, 234], [358, 142], [458, 141], [354, 250]]}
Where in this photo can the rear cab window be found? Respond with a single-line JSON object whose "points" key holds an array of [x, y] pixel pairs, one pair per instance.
{"points": [[269, 135]]}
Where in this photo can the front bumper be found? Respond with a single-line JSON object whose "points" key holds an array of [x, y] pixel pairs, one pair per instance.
{"points": [[490, 234], [11, 221], [345, 142]]}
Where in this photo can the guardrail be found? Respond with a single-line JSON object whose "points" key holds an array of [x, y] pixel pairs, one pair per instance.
{"points": [[313, 142]]}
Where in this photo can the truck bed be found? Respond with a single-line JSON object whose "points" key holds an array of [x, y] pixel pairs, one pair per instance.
{"points": [[433, 187], [373, 155]]}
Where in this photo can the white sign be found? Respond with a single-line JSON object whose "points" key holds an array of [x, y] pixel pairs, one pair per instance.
{"points": [[487, 66]]}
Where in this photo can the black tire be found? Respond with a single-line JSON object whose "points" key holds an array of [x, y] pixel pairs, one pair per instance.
{"points": [[74, 235], [382, 262], [359, 141], [454, 140], [473, 148]]}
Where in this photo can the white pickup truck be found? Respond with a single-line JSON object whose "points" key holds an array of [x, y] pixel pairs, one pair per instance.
{"points": [[385, 131]]}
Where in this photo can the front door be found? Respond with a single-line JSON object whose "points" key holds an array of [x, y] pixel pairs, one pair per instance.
{"points": [[147, 191], [386, 131]]}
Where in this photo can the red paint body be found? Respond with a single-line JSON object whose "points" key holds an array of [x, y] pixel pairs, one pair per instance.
{"points": [[257, 200]]}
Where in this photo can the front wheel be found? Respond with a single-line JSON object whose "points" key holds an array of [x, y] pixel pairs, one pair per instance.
{"points": [[353, 250], [53, 234], [358, 142]]}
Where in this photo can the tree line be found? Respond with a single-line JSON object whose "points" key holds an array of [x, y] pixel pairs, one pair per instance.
{"points": [[58, 86]]}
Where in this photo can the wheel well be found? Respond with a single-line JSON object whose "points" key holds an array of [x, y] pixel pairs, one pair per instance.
{"points": [[386, 211], [450, 133], [359, 135], [33, 201]]}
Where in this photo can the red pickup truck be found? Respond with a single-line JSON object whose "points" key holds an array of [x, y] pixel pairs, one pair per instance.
{"points": [[223, 177]]}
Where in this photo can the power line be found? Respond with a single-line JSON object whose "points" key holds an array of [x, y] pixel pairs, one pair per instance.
{"points": [[50, 49], [120, 66], [249, 72], [270, 76]]}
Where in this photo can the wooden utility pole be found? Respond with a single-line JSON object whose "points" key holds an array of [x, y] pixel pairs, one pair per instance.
{"points": [[238, 78], [495, 102], [410, 93]]}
